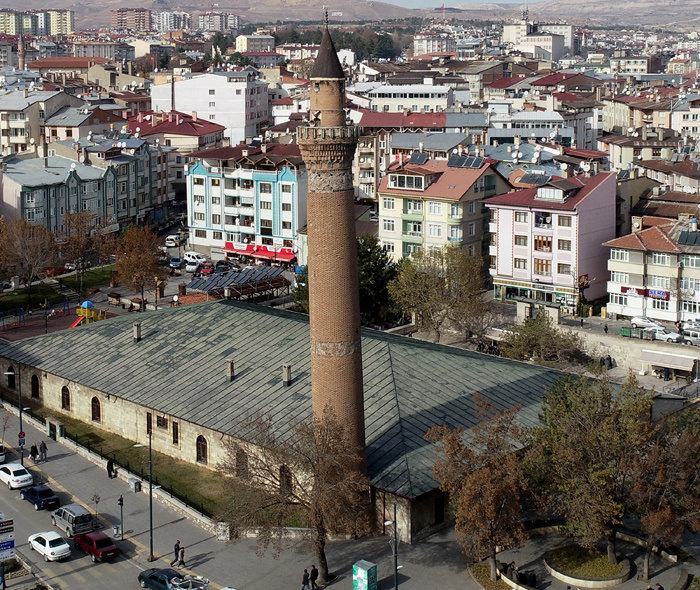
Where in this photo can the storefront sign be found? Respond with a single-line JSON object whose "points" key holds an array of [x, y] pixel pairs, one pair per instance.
{"points": [[658, 294]]}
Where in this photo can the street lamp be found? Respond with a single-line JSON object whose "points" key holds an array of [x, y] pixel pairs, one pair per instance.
{"points": [[150, 489], [394, 548], [21, 440]]}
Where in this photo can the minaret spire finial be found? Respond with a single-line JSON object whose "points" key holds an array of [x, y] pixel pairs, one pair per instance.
{"points": [[325, 17]]}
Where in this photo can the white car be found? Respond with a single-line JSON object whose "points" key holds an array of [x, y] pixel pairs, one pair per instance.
{"points": [[49, 544], [664, 334], [644, 322], [15, 476], [192, 266], [172, 241], [194, 257]]}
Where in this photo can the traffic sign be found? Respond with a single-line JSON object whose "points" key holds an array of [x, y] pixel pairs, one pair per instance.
{"points": [[21, 434], [20, 442]]}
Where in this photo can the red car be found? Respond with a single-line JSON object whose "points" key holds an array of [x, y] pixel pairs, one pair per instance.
{"points": [[98, 545], [207, 268]]}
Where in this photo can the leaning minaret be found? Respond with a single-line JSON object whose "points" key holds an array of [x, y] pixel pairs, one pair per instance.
{"points": [[327, 147], [21, 54]]}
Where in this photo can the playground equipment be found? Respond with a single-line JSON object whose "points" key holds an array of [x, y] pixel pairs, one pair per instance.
{"points": [[13, 318], [88, 311], [79, 321]]}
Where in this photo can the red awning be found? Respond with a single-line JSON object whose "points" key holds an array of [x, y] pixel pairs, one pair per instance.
{"points": [[263, 252], [286, 255], [282, 255], [231, 249]]}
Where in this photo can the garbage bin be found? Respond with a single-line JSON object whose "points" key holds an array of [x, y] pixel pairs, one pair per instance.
{"points": [[134, 484], [115, 528]]}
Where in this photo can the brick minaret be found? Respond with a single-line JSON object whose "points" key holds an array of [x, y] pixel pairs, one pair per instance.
{"points": [[327, 147], [21, 54]]}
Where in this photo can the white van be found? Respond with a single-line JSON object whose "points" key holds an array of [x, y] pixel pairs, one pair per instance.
{"points": [[194, 257], [691, 337]]}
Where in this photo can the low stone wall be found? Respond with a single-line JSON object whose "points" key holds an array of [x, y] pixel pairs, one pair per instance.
{"points": [[616, 580]]}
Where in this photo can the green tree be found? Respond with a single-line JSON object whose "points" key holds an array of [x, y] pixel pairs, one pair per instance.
{"points": [[537, 338], [483, 476], [301, 291], [306, 475], [137, 260], [375, 272], [585, 450], [26, 250]]}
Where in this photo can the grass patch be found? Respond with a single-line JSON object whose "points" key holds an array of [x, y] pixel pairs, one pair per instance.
{"points": [[20, 298], [694, 583], [97, 277], [201, 487], [583, 563], [482, 574]]}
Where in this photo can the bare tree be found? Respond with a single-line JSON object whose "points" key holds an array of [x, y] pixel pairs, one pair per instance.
{"points": [[26, 250], [137, 259], [307, 475], [482, 474]]}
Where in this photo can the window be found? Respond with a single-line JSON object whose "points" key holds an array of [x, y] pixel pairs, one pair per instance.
{"points": [[660, 304], [521, 240], [216, 182], [162, 422], [434, 230], [200, 233], [199, 216], [285, 480], [96, 410], [286, 225], [520, 263], [521, 216], [564, 245], [542, 267], [266, 187], [620, 255], [660, 282], [212, 92], [199, 199], [472, 228], [564, 269], [435, 208], [65, 399], [619, 277], [11, 381], [198, 181], [216, 219], [404, 181], [35, 387], [176, 433], [472, 206], [212, 117], [690, 261], [149, 422], [618, 299], [212, 104], [690, 284], [388, 225], [414, 206], [388, 247], [543, 243], [455, 211], [388, 203], [689, 306], [201, 449], [287, 188], [218, 235], [661, 259], [564, 220]]}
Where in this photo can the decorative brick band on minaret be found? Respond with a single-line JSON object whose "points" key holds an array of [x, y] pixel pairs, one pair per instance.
{"points": [[328, 147]]}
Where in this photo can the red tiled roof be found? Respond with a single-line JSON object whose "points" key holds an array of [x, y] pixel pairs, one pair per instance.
{"points": [[399, 120], [526, 197], [503, 83], [586, 154], [182, 124], [285, 100], [653, 239], [552, 79], [567, 96], [67, 62]]}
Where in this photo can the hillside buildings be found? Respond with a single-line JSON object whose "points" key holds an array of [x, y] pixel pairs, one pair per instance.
{"points": [[131, 19]]}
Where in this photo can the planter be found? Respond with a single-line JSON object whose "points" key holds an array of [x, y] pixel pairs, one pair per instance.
{"points": [[615, 580], [114, 298]]}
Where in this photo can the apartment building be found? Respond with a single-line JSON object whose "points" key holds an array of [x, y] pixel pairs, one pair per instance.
{"points": [[414, 97], [218, 21], [236, 100], [23, 115], [294, 52], [426, 204], [110, 51], [639, 144], [434, 42], [244, 200], [167, 20], [255, 43], [132, 19], [656, 272], [74, 122], [62, 21], [547, 242]]}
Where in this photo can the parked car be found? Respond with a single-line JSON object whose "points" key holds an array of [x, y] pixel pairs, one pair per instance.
{"points": [[41, 496], [192, 266], [691, 325], [15, 476], [226, 265], [691, 337], [73, 519], [175, 262], [2, 454], [172, 241], [97, 545], [71, 266], [191, 256], [207, 268], [49, 544], [52, 271], [170, 579], [644, 322], [664, 334]]}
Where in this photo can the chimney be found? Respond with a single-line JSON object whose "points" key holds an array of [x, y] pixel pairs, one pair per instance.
{"points": [[517, 141], [644, 133], [139, 117], [693, 224], [286, 375], [25, 93], [137, 331], [194, 116], [130, 68], [661, 133], [263, 147], [230, 370], [181, 290]]}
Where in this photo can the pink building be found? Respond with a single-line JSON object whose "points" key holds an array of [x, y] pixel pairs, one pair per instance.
{"points": [[546, 242]]}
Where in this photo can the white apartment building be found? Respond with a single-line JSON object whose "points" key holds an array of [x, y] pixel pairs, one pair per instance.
{"points": [[294, 52], [415, 98], [518, 33], [547, 242], [218, 21], [168, 20], [236, 100], [433, 42], [656, 272], [62, 21], [255, 43]]}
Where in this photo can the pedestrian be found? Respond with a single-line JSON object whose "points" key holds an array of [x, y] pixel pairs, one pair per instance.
{"points": [[33, 452], [605, 328], [667, 374], [608, 360], [110, 468], [659, 587], [60, 283], [43, 452], [313, 576], [181, 559], [582, 322], [305, 581], [176, 550], [510, 571]]}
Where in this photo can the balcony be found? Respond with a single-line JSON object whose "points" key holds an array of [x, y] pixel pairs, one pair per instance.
{"points": [[19, 124], [413, 236], [18, 139], [453, 220], [412, 214], [544, 223], [454, 239]]}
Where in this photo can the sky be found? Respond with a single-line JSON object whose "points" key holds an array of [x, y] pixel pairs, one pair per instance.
{"points": [[438, 3]]}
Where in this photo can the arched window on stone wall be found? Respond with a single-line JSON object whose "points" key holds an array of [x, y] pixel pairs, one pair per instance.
{"points": [[241, 464], [65, 399], [201, 449], [285, 480], [96, 410], [11, 381], [35, 387]]}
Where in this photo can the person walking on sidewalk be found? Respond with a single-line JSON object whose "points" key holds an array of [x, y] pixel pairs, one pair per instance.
{"points": [[34, 452], [313, 576], [110, 468], [43, 452], [181, 559], [305, 581], [176, 549]]}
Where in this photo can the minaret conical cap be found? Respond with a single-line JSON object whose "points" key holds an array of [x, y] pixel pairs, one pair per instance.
{"points": [[327, 66]]}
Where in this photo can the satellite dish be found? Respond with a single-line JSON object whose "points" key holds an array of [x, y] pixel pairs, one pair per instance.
{"points": [[175, 298], [563, 166], [538, 148], [138, 129], [553, 134], [635, 225], [533, 135], [586, 167], [82, 159], [31, 141], [515, 155], [157, 140], [72, 166], [520, 154], [136, 135], [455, 151], [544, 139], [246, 241]]}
